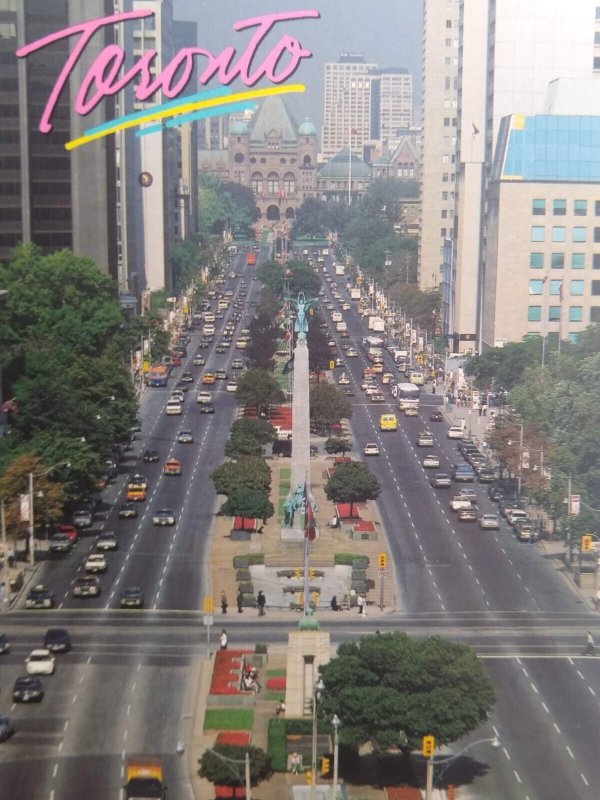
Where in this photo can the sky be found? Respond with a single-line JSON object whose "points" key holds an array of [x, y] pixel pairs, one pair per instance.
{"points": [[386, 32]]}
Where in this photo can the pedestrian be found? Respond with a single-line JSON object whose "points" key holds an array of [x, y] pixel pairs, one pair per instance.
{"points": [[224, 603], [223, 639], [589, 645], [359, 603], [484, 409], [261, 602], [240, 602], [295, 763], [364, 605]]}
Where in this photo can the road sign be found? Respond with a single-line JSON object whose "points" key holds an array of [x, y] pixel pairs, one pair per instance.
{"points": [[381, 573], [208, 604], [208, 620]]}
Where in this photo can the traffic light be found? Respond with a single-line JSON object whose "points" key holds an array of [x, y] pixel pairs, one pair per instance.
{"points": [[324, 765], [311, 572], [382, 560], [208, 604], [586, 543], [297, 573], [428, 746], [309, 777]]}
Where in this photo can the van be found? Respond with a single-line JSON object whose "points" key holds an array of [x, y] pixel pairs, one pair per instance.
{"points": [[209, 316], [388, 422]]}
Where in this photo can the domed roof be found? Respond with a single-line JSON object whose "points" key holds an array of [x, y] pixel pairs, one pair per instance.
{"points": [[307, 128], [338, 167], [238, 127]]}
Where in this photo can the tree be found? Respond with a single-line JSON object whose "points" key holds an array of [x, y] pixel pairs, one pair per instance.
{"points": [[328, 406], [319, 354], [271, 275], [261, 429], [392, 690], [260, 389], [335, 445], [504, 366], [249, 473], [184, 262], [251, 503], [263, 342], [48, 495], [224, 765], [242, 444], [352, 482], [302, 278]]}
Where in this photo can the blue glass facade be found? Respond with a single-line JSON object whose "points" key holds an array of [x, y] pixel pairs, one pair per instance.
{"points": [[548, 148]]}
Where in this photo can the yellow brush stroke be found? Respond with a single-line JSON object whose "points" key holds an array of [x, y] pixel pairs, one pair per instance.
{"points": [[185, 108]]}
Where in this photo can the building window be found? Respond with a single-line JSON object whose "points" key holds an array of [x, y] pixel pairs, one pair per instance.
{"points": [[534, 313], [554, 314], [256, 183], [536, 260], [448, 23], [557, 260], [597, 234], [576, 314], [536, 287], [577, 288], [578, 261], [559, 208], [272, 183], [579, 234], [580, 208], [596, 63], [555, 287], [596, 261], [289, 183], [537, 233], [596, 288], [559, 233], [538, 207], [595, 314], [597, 208]]}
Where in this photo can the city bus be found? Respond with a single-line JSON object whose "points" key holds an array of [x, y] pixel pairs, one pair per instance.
{"points": [[407, 395], [158, 374]]}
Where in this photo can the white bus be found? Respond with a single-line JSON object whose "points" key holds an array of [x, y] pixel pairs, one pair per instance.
{"points": [[407, 395]]}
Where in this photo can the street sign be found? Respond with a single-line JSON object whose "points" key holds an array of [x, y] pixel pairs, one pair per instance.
{"points": [[208, 620], [381, 573], [208, 604]]}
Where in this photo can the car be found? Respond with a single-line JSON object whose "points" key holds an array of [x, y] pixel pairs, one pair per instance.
{"points": [[463, 473], [40, 662], [208, 378], [467, 515], [87, 587], [411, 411], [57, 640], [431, 461], [60, 543], [39, 597], [436, 416], [164, 516], [455, 432], [187, 377], [7, 728], [470, 493], [489, 522], [107, 541], [172, 467], [231, 386], [177, 396], [204, 344], [372, 389], [96, 562], [424, 439], [185, 437], [176, 360], [440, 481], [377, 397], [486, 475], [352, 352], [371, 449], [221, 375], [70, 531], [220, 349], [150, 456], [174, 408], [386, 378], [132, 597], [27, 688], [237, 363], [204, 397], [199, 361], [459, 502], [128, 510], [83, 518], [4, 644]]}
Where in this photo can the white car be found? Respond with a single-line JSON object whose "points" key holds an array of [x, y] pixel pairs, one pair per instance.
{"points": [[455, 432], [204, 398], [40, 662], [174, 408], [371, 449], [343, 380], [199, 361], [231, 386], [431, 461], [96, 562], [351, 352], [372, 389]]}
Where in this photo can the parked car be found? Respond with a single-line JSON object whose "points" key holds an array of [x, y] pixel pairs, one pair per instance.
{"points": [[489, 522], [4, 644], [83, 518]]}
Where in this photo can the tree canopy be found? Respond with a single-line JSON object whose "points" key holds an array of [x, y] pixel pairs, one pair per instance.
{"points": [[251, 503], [335, 445], [352, 482], [224, 765], [392, 690], [242, 444], [328, 405], [263, 341], [260, 429], [249, 473], [259, 388], [319, 354]]}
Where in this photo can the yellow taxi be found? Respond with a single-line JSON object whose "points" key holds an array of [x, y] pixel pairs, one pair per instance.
{"points": [[209, 377], [387, 377], [378, 368]]}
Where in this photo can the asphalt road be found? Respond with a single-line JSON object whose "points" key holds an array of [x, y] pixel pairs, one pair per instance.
{"points": [[128, 684]]}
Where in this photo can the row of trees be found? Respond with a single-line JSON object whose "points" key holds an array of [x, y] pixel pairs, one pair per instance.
{"points": [[553, 432]]}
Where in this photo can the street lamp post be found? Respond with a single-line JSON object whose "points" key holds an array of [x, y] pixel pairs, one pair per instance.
{"points": [[317, 690], [31, 519], [493, 740], [336, 722]]}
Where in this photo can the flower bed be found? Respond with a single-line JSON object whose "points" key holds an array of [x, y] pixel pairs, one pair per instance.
{"points": [[276, 684], [227, 671], [238, 738]]}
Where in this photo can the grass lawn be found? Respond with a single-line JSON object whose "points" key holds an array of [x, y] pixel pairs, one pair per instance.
{"points": [[285, 474], [276, 673], [228, 719]]}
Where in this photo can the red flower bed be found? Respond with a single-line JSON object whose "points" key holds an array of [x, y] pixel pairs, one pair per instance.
{"points": [[238, 738], [226, 792], [226, 671], [276, 684]]}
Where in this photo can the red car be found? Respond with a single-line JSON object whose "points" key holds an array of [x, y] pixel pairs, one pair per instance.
{"points": [[175, 360], [70, 531]]}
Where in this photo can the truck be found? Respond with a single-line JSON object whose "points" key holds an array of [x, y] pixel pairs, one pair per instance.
{"points": [[376, 324], [144, 779], [340, 269]]}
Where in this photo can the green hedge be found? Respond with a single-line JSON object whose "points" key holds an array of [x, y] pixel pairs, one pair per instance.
{"points": [[248, 560], [351, 560], [247, 588], [276, 744], [359, 575], [243, 575]]}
